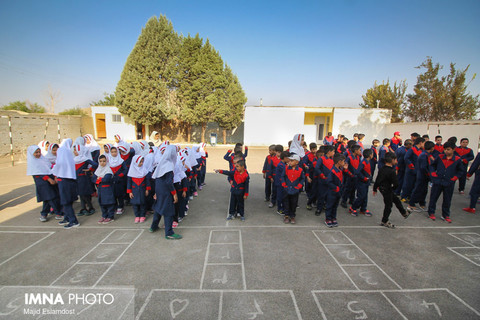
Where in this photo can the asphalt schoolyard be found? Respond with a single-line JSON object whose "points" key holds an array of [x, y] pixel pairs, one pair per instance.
{"points": [[257, 269]]}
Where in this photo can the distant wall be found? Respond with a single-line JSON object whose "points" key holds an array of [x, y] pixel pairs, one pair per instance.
{"points": [[28, 129], [371, 122]]}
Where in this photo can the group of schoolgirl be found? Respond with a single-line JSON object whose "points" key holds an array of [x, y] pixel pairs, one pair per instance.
{"points": [[422, 162], [160, 178]]}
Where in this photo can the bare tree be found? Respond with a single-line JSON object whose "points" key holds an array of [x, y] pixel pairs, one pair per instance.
{"points": [[53, 97]]}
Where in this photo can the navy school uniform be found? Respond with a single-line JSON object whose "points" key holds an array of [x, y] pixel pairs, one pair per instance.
{"points": [[364, 177], [239, 188], [277, 181], [68, 192], [106, 197], [203, 170], [138, 187], [48, 194], [374, 160], [438, 149], [400, 153], [268, 182], [229, 156], [180, 206], [334, 182], [292, 181], [307, 169], [127, 159], [341, 148], [119, 184], [419, 193], [443, 172], [150, 200], [351, 179], [163, 206], [466, 155], [323, 168], [193, 180], [411, 157], [95, 154], [271, 173], [475, 189], [84, 182], [381, 156]]}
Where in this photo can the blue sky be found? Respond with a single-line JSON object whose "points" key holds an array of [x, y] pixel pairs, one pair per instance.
{"points": [[292, 53]]}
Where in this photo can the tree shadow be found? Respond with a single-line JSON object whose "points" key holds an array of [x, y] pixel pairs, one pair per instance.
{"points": [[372, 128]]}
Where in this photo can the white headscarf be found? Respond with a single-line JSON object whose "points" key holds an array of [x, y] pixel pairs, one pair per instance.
{"points": [[65, 165], [137, 147], [179, 170], [196, 151], [102, 171], [114, 161], [40, 166], [156, 142], [79, 141], [92, 145], [135, 171], [202, 149], [82, 152], [167, 162], [109, 147], [50, 156], [122, 143], [296, 146], [191, 159], [148, 160], [42, 145]]}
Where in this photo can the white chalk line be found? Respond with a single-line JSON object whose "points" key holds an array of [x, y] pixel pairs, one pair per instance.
{"points": [[202, 278], [33, 244], [394, 306], [465, 233], [243, 262], [461, 255]]}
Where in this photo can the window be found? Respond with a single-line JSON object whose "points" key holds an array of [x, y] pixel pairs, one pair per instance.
{"points": [[116, 118]]}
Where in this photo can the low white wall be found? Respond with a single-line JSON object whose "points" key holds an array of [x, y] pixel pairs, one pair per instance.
{"points": [[273, 125], [467, 129]]}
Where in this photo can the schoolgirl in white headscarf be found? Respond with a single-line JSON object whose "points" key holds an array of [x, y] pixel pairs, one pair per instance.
{"points": [[138, 187], [155, 138], [296, 146], [43, 145], [51, 155], [120, 171], [85, 186]]}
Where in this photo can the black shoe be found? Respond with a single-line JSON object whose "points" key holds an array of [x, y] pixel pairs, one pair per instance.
{"points": [[63, 222], [82, 212], [318, 212], [343, 204], [90, 212]]}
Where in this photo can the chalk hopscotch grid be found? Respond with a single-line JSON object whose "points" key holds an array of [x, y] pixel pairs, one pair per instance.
{"points": [[470, 245], [79, 261], [30, 246]]}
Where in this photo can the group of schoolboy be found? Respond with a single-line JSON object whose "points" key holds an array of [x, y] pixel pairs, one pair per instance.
{"points": [[341, 171]]}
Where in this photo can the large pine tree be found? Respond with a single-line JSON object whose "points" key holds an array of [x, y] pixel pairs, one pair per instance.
{"points": [[146, 90]]}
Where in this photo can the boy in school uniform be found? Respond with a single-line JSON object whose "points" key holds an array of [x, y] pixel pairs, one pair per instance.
{"points": [[387, 182], [383, 150], [280, 194], [323, 168], [271, 173], [466, 155], [396, 141], [329, 139], [420, 190], [475, 189], [353, 161], [411, 166], [335, 182], [364, 177], [308, 168], [438, 146], [444, 171], [361, 137], [239, 180], [268, 182], [292, 181], [401, 167], [342, 146], [374, 161]]}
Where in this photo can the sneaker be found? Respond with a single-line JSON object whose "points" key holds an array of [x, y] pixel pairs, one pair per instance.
{"points": [[318, 212], [267, 199], [174, 224], [343, 204], [200, 188], [63, 222], [286, 219], [58, 217], [187, 207], [271, 205], [238, 215], [353, 212], [142, 219], [174, 237], [82, 213], [309, 207], [242, 218], [328, 223], [230, 217], [446, 219], [190, 198], [71, 225], [101, 220], [409, 210], [292, 220], [43, 219], [151, 230], [195, 194], [461, 192], [469, 210], [431, 217], [280, 212], [90, 212], [137, 219], [107, 221], [180, 219], [367, 213], [406, 214], [120, 211], [334, 223], [388, 224]]}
